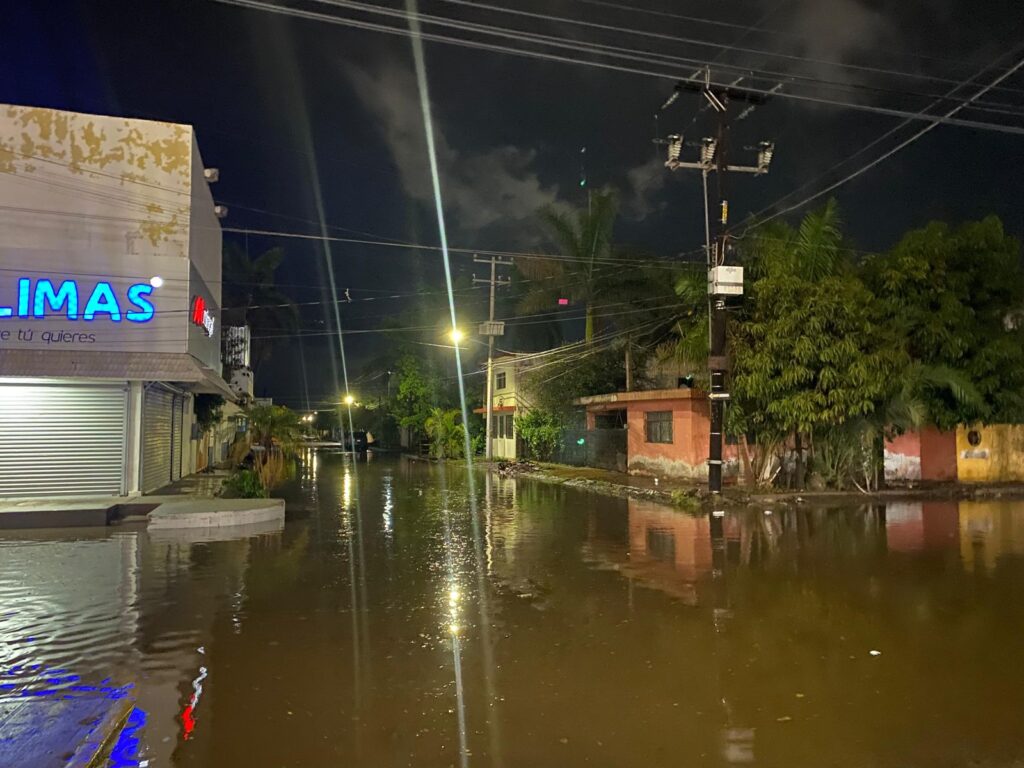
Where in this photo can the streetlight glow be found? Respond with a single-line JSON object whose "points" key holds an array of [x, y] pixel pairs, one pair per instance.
{"points": [[457, 335], [349, 399]]}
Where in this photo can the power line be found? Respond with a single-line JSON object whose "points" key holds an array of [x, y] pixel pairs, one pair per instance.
{"points": [[732, 25], [618, 30], [653, 57], [864, 169], [675, 76], [658, 263]]}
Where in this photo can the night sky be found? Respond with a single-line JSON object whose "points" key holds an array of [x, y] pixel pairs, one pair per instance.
{"points": [[285, 107]]}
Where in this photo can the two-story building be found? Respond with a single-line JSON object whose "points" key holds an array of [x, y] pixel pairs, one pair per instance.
{"points": [[509, 398], [110, 287]]}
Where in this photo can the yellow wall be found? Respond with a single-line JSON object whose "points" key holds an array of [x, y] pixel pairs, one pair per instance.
{"points": [[998, 458]]}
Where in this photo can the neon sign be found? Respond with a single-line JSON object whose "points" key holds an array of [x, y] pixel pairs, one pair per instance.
{"points": [[76, 301], [201, 316]]}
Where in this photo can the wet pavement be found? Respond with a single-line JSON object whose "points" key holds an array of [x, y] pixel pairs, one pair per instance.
{"points": [[401, 620]]}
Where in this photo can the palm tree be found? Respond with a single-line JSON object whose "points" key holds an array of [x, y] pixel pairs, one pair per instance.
{"points": [[446, 433], [274, 426], [580, 272], [251, 297]]}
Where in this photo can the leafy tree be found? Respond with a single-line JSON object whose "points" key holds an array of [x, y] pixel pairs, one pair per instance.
{"points": [[209, 409], [808, 354], [446, 432], [572, 373], [250, 296], [955, 295], [541, 431], [416, 392], [274, 426]]}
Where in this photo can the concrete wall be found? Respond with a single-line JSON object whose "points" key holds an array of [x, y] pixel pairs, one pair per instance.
{"points": [[686, 456], [205, 254], [997, 458], [938, 456], [93, 198], [928, 455]]}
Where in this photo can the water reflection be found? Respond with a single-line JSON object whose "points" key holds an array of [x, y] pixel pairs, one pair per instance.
{"points": [[617, 632]]}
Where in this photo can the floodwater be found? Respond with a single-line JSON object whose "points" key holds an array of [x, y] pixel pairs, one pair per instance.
{"points": [[395, 623]]}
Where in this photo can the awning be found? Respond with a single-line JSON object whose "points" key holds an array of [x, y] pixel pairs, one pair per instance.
{"points": [[178, 368]]}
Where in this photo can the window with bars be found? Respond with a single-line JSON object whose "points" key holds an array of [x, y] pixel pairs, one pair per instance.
{"points": [[658, 426], [503, 427]]}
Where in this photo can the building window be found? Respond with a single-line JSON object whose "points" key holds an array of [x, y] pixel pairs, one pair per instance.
{"points": [[658, 426], [500, 380], [503, 427]]}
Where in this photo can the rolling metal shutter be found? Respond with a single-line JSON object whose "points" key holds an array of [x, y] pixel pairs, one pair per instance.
{"points": [[177, 426], [62, 439], [157, 429]]}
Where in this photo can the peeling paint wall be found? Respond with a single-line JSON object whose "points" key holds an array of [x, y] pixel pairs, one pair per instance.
{"points": [[928, 455], [903, 458], [686, 456], [96, 197], [998, 456]]}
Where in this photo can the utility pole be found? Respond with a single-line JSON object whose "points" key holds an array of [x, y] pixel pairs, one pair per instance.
{"points": [[491, 329], [723, 280]]}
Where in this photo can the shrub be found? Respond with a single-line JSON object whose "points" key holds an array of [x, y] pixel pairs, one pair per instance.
{"points": [[245, 484], [271, 469], [446, 433], [542, 433]]}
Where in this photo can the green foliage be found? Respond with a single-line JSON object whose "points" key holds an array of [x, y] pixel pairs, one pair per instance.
{"points": [[807, 353], [274, 425], [208, 410], [689, 331], [686, 500], [244, 484], [956, 295], [541, 431], [446, 433], [575, 373], [417, 393]]}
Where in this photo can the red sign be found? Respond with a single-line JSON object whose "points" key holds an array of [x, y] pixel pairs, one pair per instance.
{"points": [[201, 315]]}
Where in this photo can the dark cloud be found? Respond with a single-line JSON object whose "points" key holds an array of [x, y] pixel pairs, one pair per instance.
{"points": [[496, 189]]}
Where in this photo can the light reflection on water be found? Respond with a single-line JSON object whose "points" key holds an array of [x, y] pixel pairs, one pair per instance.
{"points": [[622, 632]]}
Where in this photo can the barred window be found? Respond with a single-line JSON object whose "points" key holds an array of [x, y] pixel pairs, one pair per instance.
{"points": [[658, 425]]}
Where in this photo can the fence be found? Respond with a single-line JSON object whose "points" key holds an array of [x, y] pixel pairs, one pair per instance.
{"points": [[602, 448]]}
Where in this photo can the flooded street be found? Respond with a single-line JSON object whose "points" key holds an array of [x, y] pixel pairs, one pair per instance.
{"points": [[389, 625]]}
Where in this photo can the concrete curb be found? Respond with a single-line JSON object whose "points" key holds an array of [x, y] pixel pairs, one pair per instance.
{"points": [[214, 513]]}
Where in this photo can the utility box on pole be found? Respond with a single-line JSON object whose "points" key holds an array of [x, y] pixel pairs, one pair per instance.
{"points": [[725, 281]]}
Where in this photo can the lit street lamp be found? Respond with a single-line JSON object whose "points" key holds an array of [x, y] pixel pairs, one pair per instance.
{"points": [[349, 399], [456, 336]]}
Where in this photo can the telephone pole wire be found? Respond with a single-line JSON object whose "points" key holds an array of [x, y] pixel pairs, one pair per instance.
{"points": [[491, 329], [723, 280]]}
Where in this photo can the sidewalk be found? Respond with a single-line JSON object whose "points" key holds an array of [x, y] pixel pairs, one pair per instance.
{"points": [[190, 502], [691, 495]]}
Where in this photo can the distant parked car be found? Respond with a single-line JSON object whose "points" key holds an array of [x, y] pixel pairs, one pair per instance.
{"points": [[357, 441]]}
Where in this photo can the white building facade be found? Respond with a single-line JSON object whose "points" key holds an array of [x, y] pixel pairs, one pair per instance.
{"points": [[110, 287]]}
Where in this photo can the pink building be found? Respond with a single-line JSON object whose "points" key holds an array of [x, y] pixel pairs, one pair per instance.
{"points": [[668, 431]]}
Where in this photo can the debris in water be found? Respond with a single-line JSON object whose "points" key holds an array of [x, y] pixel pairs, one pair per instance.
{"points": [[783, 719], [875, 653]]}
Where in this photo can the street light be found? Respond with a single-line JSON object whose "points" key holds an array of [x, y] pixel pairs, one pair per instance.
{"points": [[349, 399], [456, 336]]}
